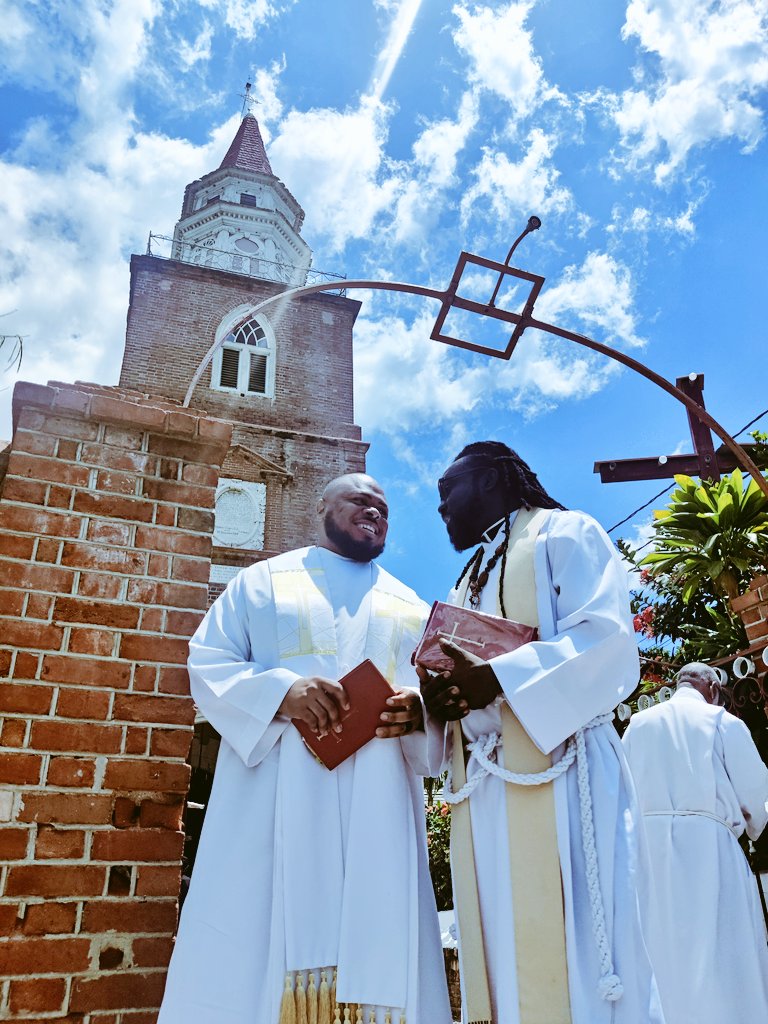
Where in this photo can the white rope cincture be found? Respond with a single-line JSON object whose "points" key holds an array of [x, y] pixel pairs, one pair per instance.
{"points": [[610, 986]]}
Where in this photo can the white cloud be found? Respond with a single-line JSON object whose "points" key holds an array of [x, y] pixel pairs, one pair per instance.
{"points": [[702, 81], [199, 50], [403, 380], [267, 105], [87, 198], [82, 48], [599, 295], [245, 17], [432, 173], [334, 161], [404, 14], [64, 261], [501, 53], [508, 188], [646, 222], [437, 148]]}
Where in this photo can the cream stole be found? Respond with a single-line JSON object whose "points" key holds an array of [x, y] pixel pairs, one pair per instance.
{"points": [[342, 837], [305, 622], [542, 974]]}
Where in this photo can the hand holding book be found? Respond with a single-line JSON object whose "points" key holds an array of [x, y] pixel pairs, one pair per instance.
{"points": [[457, 644], [371, 708], [471, 684], [316, 701]]}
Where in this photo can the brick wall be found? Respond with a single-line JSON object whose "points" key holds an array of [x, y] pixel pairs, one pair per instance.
{"points": [[105, 522], [753, 609]]}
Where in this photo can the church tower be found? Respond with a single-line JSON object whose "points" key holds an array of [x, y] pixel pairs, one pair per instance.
{"points": [[283, 377], [241, 217]]}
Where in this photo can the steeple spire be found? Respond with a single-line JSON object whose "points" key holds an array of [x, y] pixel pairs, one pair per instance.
{"points": [[247, 151], [241, 218]]}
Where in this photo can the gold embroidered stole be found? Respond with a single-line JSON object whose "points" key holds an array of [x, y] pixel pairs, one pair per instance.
{"points": [[306, 629], [537, 897]]}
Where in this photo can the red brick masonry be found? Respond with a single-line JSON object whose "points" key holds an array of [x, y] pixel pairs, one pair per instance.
{"points": [[105, 540]]}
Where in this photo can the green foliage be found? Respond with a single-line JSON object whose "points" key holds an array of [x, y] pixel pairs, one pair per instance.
{"points": [[711, 540], [438, 841], [722, 635], [709, 543]]}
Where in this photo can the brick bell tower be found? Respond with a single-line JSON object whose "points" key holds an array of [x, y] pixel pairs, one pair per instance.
{"points": [[283, 378]]}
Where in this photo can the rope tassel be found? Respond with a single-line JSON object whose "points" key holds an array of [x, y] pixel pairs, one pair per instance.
{"points": [[288, 1004], [324, 1001], [312, 1007], [301, 1000], [609, 986]]}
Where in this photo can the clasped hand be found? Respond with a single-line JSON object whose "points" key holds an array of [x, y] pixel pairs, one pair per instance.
{"points": [[471, 684], [322, 703]]}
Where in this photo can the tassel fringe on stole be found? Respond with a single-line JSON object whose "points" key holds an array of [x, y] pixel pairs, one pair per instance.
{"points": [[312, 1005]]}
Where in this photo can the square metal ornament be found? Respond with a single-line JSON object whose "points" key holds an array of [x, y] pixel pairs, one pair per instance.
{"points": [[453, 300]]}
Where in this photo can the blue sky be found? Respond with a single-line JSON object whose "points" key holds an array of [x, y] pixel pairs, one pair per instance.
{"points": [[410, 130]]}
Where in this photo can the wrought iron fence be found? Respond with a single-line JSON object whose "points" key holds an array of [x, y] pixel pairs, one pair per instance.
{"points": [[247, 264]]}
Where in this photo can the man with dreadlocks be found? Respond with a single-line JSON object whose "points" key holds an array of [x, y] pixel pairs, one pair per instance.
{"points": [[543, 849]]}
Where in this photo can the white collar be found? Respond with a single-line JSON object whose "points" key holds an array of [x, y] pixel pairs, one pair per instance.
{"points": [[485, 539]]}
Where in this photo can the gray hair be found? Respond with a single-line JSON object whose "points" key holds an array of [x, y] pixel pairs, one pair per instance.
{"points": [[701, 677]]}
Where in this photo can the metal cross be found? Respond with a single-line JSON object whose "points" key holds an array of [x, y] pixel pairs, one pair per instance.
{"points": [[705, 462]]}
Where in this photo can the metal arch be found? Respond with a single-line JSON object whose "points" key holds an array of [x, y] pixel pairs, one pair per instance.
{"points": [[522, 322], [634, 364]]}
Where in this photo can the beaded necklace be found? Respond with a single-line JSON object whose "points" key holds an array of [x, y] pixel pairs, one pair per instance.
{"points": [[477, 580]]}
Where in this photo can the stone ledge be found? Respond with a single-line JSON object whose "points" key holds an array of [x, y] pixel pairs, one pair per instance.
{"points": [[121, 405]]}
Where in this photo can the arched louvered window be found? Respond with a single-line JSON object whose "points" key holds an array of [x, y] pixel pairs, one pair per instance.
{"points": [[244, 363]]}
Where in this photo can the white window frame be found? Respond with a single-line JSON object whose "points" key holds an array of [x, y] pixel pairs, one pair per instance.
{"points": [[230, 325]]}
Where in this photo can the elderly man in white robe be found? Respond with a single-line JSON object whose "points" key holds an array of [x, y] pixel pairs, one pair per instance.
{"points": [[545, 875], [701, 783], [311, 887]]}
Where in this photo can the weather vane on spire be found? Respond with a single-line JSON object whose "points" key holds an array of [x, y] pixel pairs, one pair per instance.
{"points": [[248, 101]]}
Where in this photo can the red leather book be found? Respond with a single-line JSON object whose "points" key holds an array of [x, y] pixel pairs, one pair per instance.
{"points": [[478, 633], [367, 691]]}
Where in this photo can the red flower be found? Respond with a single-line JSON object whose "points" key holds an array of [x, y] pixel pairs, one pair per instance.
{"points": [[643, 621]]}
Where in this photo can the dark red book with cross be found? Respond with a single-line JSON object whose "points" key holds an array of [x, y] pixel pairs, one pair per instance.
{"points": [[486, 636], [367, 692]]}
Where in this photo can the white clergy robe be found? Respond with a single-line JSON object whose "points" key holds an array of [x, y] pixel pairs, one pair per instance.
{"points": [[300, 868], [701, 784], [584, 662]]}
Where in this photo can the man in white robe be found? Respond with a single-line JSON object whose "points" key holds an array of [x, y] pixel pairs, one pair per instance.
{"points": [[582, 664], [302, 871], [701, 783]]}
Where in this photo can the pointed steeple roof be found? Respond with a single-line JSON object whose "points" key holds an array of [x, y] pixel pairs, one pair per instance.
{"points": [[247, 150]]}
